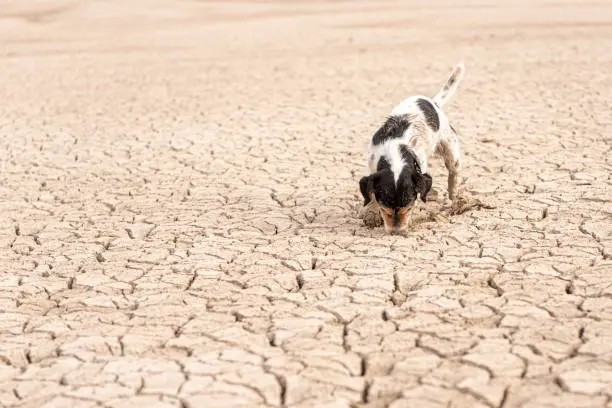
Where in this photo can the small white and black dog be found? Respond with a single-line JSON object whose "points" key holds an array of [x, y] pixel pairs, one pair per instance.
{"points": [[399, 151]]}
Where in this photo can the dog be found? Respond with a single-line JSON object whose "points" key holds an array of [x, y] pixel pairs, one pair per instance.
{"points": [[399, 151]]}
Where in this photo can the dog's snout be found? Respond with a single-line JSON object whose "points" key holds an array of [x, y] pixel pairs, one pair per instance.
{"points": [[397, 218], [399, 228]]}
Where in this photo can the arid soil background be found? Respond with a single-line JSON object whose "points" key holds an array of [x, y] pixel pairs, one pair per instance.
{"points": [[180, 226]]}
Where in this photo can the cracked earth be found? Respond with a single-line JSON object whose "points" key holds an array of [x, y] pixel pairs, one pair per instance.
{"points": [[179, 206]]}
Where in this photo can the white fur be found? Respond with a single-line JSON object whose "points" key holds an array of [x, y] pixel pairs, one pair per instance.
{"points": [[390, 150]]}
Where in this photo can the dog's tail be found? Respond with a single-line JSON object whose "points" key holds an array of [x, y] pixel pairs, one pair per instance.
{"points": [[450, 86]]}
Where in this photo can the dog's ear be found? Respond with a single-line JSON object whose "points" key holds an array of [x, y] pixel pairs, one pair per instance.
{"points": [[423, 184], [367, 185]]}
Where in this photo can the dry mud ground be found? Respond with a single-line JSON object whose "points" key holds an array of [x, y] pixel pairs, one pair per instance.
{"points": [[179, 201]]}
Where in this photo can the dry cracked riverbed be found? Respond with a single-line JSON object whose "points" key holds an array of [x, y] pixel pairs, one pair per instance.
{"points": [[179, 206]]}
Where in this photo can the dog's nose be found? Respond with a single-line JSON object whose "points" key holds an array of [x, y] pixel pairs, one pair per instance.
{"points": [[398, 228]]}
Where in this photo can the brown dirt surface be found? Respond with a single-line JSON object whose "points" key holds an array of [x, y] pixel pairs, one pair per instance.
{"points": [[179, 206]]}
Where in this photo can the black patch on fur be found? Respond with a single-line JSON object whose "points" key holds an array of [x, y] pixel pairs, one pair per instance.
{"points": [[421, 182], [383, 164], [370, 183], [393, 128], [431, 116], [423, 185], [410, 158], [384, 188], [366, 186]]}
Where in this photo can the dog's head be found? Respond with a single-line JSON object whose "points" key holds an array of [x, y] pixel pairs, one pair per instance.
{"points": [[396, 199]]}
